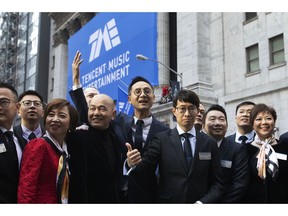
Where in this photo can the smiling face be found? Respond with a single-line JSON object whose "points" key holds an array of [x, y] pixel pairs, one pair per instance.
{"points": [[243, 117], [101, 111], [57, 123], [8, 110], [215, 124], [263, 125], [142, 98]]}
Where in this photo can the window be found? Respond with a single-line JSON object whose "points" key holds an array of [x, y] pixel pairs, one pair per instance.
{"points": [[252, 54], [277, 50], [250, 15]]}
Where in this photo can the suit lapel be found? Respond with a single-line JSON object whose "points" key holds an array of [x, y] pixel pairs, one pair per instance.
{"points": [[8, 155], [18, 133], [224, 148]]}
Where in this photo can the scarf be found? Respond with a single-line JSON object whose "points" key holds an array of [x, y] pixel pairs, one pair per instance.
{"points": [[267, 159]]}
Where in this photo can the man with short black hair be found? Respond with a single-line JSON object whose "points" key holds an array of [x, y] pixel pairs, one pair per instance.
{"points": [[234, 160], [30, 110], [244, 133]]}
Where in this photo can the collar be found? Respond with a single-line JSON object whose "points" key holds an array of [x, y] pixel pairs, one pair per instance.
{"points": [[250, 136], [180, 131], [4, 129], [37, 131], [61, 149], [147, 121]]}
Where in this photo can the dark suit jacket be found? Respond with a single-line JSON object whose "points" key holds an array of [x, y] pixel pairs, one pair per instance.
{"points": [[137, 192], [94, 175], [234, 163], [177, 184], [9, 172]]}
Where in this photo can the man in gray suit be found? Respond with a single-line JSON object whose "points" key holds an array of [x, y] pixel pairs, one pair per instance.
{"points": [[234, 160], [189, 163]]}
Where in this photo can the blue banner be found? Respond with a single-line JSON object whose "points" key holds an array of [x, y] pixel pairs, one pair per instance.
{"points": [[109, 44], [123, 104]]}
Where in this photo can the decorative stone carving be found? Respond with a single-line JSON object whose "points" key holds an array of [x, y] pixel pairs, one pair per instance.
{"points": [[60, 37]]}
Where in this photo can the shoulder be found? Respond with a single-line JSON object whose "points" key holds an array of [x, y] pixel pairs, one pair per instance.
{"points": [[159, 124], [231, 137], [284, 136]]}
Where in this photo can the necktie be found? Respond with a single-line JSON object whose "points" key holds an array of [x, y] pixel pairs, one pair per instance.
{"points": [[12, 146], [32, 136], [187, 149], [243, 139], [139, 135]]}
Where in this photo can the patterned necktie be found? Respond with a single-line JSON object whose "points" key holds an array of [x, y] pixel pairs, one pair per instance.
{"points": [[12, 146], [139, 135], [243, 139], [31, 136], [187, 149]]}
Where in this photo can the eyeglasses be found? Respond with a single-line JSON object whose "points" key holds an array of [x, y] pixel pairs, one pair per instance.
{"points": [[28, 103], [146, 91], [183, 110], [4, 102]]}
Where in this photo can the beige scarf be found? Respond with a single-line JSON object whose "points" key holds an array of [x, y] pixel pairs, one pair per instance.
{"points": [[267, 159]]}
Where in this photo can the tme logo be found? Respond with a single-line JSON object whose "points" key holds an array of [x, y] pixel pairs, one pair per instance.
{"points": [[109, 36]]}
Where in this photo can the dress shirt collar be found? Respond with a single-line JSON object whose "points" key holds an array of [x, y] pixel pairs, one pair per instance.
{"points": [[27, 132], [192, 131], [250, 136], [147, 121]]}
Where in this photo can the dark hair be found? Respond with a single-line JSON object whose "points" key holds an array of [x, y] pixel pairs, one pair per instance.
{"points": [[187, 96], [243, 104], [138, 79], [10, 87], [59, 103], [262, 108], [216, 107], [30, 92]]}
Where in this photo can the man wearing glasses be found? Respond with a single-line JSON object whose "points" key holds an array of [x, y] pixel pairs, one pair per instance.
{"points": [[10, 147], [30, 110], [189, 163], [138, 131]]}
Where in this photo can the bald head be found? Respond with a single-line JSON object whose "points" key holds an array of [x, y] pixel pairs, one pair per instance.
{"points": [[101, 111]]}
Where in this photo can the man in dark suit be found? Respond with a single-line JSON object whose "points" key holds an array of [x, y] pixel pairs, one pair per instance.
{"points": [[189, 163], [244, 133], [30, 110], [234, 160], [95, 158], [10, 152], [141, 96]]}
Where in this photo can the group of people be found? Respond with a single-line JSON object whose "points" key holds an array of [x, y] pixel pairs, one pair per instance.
{"points": [[88, 153]]}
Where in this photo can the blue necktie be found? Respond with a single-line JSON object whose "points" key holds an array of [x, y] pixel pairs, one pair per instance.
{"points": [[187, 149], [32, 136], [138, 136]]}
